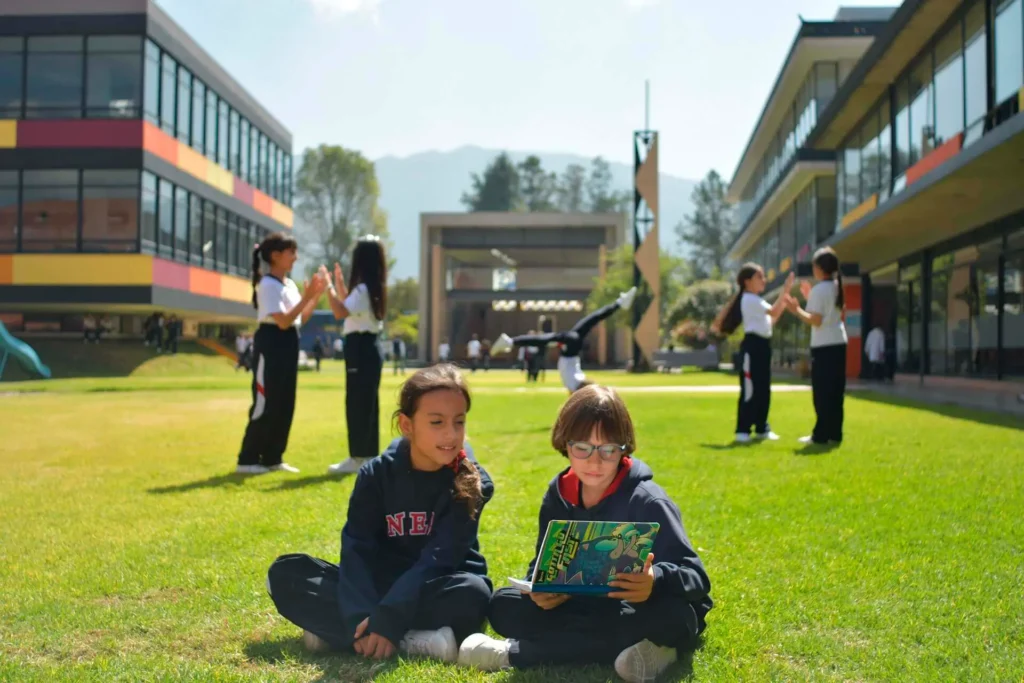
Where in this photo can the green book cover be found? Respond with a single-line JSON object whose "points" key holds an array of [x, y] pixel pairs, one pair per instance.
{"points": [[582, 557]]}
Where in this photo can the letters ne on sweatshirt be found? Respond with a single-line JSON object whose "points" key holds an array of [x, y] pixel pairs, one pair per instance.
{"points": [[404, 528], [634, 497]]}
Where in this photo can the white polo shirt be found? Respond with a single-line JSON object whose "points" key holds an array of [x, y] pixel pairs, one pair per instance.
{"points": [[756, 318], [275, 296], [822, 300], [361, 317]]}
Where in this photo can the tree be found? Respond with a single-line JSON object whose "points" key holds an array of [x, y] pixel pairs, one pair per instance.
{"points": [[619, 277], [537, 187], [570, 188], [700, 302], [403, 296], [336, 194], [497, 189], [600, 196], [709, 230]]}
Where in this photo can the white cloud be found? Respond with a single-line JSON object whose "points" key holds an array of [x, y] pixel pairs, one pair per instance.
{"points": [[338, 8]]}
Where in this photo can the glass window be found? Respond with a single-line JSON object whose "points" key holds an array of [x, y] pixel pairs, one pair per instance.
{"points": [[8, 211], [165, 218], [246, 238], [211, 124], [771, 248], [54, 77], [826, 83], [851, 165], [198, 114], [825, 191], [181, 214], [184, 104], [288, 179], [11, 59], [254, 157], [209, 232], [787, 234], [49, 212], [168, 92], [1009, 48], [922, 110], [937, 337], [949, 86], [233, 151], [113, 87], [223, 131], [151, 83], [148, 225], [805, 224], [1013, 315], [195, 229], [232, 255], [221, 241], [262, 182], [902, 120], [884, 150], [908, 320], [110, 210], [272, 169], [974, 66], [243, 151], [870, 157]]}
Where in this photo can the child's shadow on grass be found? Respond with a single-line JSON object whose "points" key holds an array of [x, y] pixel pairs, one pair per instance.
{"points": [[293, 484], [731, 446], [682, 670], [332, 667], [232, 479], [816, 449]]}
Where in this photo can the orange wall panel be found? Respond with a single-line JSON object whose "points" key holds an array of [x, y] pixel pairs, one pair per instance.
{"points": [[159, 143], [204, 282], [6, 270]]}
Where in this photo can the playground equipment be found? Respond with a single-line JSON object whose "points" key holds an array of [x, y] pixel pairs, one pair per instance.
{"points": [[22, 352]]}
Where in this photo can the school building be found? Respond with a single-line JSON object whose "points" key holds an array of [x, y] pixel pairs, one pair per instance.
{"points": [[485, 273], [895, 137], [135, 173]]}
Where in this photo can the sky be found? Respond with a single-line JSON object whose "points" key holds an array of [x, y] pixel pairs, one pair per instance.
{"points": [[397, 77]]}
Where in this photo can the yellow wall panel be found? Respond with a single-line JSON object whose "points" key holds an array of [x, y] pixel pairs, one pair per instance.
{"points": [[235, 289], [8, 134], [82, 269]]}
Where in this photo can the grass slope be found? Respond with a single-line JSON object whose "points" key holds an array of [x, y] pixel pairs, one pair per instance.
{"points": [[129, 552]]}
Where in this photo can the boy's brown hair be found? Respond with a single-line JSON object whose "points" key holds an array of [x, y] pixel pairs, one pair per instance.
{"points": [[590, 406]]}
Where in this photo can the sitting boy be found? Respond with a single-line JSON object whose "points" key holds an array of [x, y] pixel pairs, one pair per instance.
{"points": [[648, 616]]}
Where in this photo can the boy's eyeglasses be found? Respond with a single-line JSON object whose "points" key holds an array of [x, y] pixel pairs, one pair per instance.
{"points": [[581, 450]]}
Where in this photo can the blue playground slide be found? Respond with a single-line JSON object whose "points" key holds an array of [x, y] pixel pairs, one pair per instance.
{"points": [[22, 352]]}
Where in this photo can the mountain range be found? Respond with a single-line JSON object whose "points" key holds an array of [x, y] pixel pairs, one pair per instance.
{"points": [[435, 181]]}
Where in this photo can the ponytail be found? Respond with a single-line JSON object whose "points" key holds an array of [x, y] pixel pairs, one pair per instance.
{"points": [[732, 315], [468, 487], [256, 274], [840, 298]]}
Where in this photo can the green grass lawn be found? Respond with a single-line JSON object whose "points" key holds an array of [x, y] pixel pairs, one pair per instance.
{"points": [[129, 552]]}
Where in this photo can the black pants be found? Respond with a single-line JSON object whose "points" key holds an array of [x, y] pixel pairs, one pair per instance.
{"points": [[588, 630], [755, 368], [362, 385], [828, 382], [305, 591], [276, 370]]}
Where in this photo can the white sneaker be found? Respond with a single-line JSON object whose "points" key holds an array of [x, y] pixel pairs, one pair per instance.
{"points": [[644, 662], [625, 299], [439, 644], [767, 436], [742, 438], [350, 466], [503, 344], [251, 469], [806, 439], [285, 467], [480, 651], [314, 643]]}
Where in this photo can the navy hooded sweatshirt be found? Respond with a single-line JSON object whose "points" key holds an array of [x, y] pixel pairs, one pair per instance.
{"points": [[404, 528], [634, 497]]}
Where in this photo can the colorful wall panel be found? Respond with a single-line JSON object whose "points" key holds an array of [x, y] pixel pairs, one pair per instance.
{"points": [[132, 134]]}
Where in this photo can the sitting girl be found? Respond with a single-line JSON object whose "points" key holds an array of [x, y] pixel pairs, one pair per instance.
{"points": [[648, 615], [412, 578]]}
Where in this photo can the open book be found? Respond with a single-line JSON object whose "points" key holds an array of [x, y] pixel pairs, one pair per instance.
{"points": [[580, 558]]}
